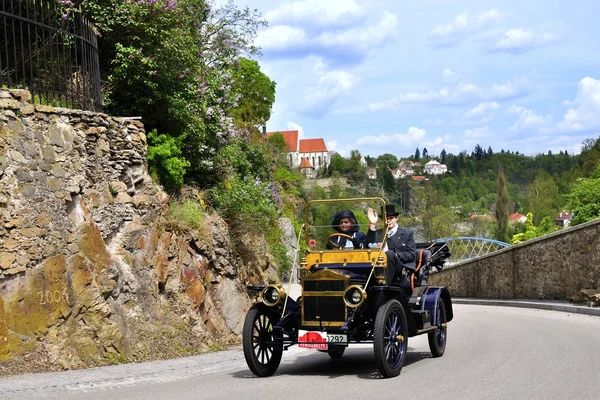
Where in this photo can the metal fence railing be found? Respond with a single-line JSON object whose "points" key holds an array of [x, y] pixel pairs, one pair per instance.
{"points": [[51, 52]]}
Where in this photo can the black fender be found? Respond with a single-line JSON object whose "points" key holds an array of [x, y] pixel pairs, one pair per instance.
{"points": [[429, 301], [290, 319], [382, 294]]}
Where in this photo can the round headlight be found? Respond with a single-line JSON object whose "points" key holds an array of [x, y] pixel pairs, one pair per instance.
{"points": [[272, 295], [354, 296]]}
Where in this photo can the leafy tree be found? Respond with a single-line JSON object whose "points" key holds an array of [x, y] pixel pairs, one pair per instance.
{"points": [[278, 141], [541, 197], [353, 164], [388, 160], [403, 191], [389, 183], [257, 93], [164, 156], [584, 200], [502, 207], [338, 163], [173, 63], [439, 222], [478, 153]]}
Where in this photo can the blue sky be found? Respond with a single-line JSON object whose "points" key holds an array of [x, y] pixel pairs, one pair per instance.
{"points": [[385, 76]]}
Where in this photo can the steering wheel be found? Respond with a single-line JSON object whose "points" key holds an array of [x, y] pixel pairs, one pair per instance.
{"points": [[334, 235]]}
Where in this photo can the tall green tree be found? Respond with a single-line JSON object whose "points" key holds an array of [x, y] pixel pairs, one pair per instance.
{"points": [[443, 156], [388, 160], [584, 200], [502, 201], [541, 197], [256, 93]]}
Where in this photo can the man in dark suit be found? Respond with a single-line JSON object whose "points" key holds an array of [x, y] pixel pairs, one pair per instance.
{"points": [[400, 249]]}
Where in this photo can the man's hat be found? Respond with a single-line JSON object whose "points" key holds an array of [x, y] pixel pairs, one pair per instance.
{"points": [[390, 209]]}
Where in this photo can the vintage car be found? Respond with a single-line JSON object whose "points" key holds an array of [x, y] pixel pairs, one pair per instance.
{"points": [[345, 299]]}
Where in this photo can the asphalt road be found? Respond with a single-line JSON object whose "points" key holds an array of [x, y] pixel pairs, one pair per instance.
{"points": [[492, 353]]}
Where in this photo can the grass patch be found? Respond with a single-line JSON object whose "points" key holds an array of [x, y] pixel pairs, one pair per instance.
{"points": [[186, 215]]}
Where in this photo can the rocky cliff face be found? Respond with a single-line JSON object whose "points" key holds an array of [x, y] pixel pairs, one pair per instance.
{"points": [[91, 270]]}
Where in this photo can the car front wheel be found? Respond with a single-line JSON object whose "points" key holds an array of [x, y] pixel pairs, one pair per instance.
{"points": [[262, 346], [390, 338]]}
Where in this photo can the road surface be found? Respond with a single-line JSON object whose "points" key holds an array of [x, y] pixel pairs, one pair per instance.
{"points": [[492, 353]]}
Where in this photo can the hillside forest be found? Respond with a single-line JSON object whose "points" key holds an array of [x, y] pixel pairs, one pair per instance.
{"points": [[188, 68]]}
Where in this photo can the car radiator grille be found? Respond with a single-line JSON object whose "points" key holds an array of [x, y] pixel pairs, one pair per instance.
{"points": [[323, 302], [325, 308]]}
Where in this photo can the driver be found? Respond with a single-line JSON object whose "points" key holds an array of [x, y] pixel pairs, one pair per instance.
{"points": [[344, 222]]}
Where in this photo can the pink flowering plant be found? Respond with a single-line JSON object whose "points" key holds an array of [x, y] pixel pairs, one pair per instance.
{"points": [[183, 66]]}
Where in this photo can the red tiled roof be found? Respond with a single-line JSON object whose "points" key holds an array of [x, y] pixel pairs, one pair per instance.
{"points": [[305, 163], [515, 216], [291, 139], [313, 146], [418, 177]]}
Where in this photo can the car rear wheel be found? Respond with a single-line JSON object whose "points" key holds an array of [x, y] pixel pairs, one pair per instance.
{"points": [[390, 338], [336, 352], [437, 338], [261, 348]]}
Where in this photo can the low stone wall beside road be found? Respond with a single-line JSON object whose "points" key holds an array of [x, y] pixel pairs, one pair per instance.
{"points": [[554, 266]]}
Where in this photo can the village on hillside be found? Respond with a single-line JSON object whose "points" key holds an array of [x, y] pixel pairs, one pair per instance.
{"points": [[310, 157]]}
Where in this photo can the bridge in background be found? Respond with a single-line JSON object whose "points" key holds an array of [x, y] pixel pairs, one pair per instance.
{"points": [[464, 248]]}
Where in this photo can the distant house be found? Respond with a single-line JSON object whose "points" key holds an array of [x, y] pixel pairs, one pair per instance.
{"points": [[363, 162], [435, 168], [396, 173], [563, 219], [314, 150], [517, 218], [404, 172], [306, 168], [418, 178], [372, 172], [485, 217]]}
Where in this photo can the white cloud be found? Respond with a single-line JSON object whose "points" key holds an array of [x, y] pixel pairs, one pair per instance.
{"points": [[463, 93], [482, 110], [281, 37], [463, 25], [448, 75], [292, 126], [332, 145], [413, 135], [585, 114], [528, 120], [478, 133], [519, 40], [330, 86], [435, 146], [317, 11], [364, 37], [341, 44]]}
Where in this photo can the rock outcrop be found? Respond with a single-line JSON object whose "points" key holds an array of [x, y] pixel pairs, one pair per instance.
{"points": [[91, 269]]}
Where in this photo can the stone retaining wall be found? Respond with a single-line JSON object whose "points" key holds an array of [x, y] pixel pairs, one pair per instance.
{"points": [[555, 266], [92, 268]]}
